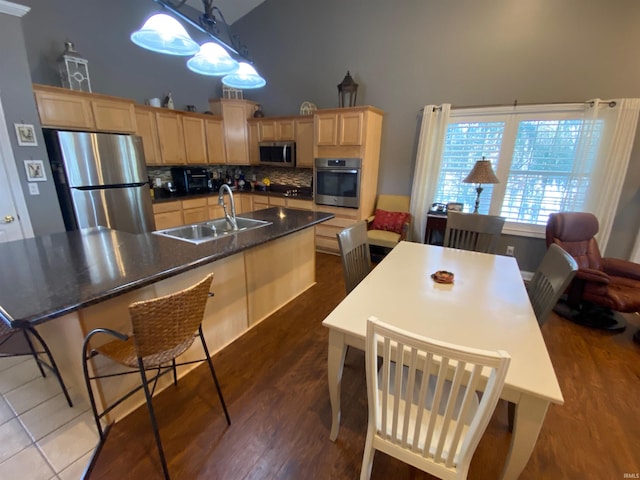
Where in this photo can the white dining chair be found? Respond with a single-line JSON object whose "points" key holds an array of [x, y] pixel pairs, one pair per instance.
{"points": [[433, 425]]}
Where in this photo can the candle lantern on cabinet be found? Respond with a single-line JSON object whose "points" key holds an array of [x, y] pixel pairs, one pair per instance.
{"points": [[73, 69], [347, 91]]}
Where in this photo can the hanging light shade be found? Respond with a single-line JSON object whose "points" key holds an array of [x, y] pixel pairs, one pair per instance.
{"points": [[212, 59], [246, 77], [164, 34]]}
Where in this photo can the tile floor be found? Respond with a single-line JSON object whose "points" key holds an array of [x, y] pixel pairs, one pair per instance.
{"points": [[41, 437]]}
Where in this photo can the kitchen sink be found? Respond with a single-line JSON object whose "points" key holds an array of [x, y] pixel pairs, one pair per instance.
{"points": [[205, 232]]}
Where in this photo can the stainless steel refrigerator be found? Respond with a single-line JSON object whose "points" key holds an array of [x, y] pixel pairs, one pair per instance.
{"points": [[101, 179]]}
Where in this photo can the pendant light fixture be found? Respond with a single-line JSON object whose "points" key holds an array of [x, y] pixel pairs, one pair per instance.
{"points": [[212, 59], [224, 56], [164, 34], [246, 78]]}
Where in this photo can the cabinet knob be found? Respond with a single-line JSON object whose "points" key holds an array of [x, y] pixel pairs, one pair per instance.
{"points": [[8, 218]]}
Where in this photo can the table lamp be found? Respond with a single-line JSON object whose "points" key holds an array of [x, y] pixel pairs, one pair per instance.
{"points": [[481, 173]]}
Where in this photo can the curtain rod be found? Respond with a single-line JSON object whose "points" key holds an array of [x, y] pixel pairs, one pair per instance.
{"points": [[591, 103]]}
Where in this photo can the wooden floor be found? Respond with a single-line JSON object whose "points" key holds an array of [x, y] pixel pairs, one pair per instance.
{"points": [[274, 382]]}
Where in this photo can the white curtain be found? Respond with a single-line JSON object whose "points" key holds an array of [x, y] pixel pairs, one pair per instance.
{"points": [[603, 193], [427, 169], [635, 253]]}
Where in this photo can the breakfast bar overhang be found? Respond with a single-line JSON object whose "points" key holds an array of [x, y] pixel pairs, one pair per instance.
{"points": [[69, 283]]}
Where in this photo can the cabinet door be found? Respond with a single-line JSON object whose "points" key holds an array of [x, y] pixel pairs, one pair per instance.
{"points": [[326, 129], [167, 215], [260, 202], [148, 130], [254, 150], [300, 204], [195, 215], [168, 220], [114, 115], [350, 128], [216, 211], [171, 138], [247, 203], [64, 110], [304, 143], [277, 201], [267, 130], [215, 141], [235, 129], [194, 140], [285, 130]]}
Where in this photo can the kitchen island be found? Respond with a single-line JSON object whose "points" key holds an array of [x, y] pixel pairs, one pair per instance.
{"points": [[66, 284]]}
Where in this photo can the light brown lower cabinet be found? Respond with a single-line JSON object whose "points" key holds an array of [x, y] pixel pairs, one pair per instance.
{"points": [[326, 239], [195, 210], [168, 214], [186, 212]]}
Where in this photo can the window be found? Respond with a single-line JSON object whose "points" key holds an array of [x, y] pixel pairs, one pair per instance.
{"points": [[544, 159]]}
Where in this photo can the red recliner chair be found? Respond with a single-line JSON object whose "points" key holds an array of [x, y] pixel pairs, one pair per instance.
{"points": [[602, 286]]}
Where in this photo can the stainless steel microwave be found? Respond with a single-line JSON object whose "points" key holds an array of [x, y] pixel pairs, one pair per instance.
{"points": [[278, 154]]}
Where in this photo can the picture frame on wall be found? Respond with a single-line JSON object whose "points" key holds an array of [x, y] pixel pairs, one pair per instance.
{"points": [[26, 135], [35, 170]]}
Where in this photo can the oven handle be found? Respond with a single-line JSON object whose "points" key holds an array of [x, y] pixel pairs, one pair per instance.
{"points": [[338, 170]]}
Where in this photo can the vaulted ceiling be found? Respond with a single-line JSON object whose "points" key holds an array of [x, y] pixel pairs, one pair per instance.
{"points": [[231, 9]]}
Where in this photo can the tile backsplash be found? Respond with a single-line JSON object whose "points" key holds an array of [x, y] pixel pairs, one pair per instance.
{"points": [[285, 176]]}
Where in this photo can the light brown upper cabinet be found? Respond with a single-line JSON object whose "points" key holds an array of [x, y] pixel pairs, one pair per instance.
{"points": [[214, 129], [171, 137], [304, 142], [254, 150], [236, 133], [195, 139], [112, 115], [63, 108], [276, 130], [339, 128], [147, 128]]}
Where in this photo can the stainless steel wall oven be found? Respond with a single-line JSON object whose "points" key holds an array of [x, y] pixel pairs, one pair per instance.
{"points": [[336, 181]]}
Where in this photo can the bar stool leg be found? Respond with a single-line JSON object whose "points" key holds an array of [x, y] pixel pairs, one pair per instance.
{"points": [[33, 352], [175, 373], [154, 422], [213, 374], [54, 366]]}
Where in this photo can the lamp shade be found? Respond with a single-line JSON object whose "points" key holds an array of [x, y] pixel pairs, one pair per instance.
{"points": [[212, 59], [164, 34], [246, 77], [481, 173]]}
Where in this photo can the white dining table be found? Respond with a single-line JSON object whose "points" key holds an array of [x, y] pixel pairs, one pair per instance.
{"points": [[486, 307]]}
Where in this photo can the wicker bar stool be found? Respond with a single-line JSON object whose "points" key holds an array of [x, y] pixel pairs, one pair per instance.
{"points": [[163, 328], [18, 341]]}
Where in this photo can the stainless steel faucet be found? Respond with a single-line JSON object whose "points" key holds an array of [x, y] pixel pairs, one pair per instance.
{"points": [[230, 218]]}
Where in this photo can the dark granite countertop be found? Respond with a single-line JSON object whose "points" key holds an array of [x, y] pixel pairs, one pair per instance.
{"points": [[45, 277]]}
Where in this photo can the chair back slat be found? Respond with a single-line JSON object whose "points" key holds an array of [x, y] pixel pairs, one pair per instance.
{"points": [[550, 280], [423, 399], [354, 250], [472, 231], [160, 324]]}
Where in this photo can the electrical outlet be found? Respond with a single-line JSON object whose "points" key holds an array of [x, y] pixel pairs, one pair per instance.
{"points": [[511, 250]]}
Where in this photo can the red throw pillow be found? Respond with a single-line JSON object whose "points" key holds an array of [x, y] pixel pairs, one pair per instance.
{"points": [[389, 221]]}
